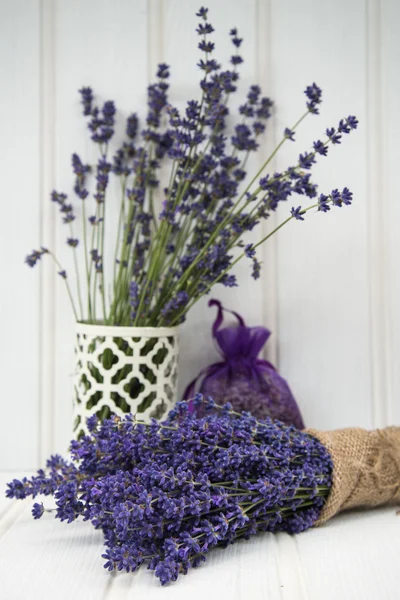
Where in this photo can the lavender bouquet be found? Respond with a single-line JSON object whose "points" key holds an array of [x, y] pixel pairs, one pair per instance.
{"points": [[165, 494], [166, 261]]}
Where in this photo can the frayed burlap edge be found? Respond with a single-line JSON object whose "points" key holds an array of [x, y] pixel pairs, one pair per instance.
{"points": [[366, 468]]}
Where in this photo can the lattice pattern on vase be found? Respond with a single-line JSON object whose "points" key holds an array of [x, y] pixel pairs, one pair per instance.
{"points": [[124, 369]]}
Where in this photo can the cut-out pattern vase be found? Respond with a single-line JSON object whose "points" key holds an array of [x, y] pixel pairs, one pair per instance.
{"points": [[121, 370]]}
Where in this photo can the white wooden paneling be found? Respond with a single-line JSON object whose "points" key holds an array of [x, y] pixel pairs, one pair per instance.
{"points": [[102, 44], [268, 253], [47, 391], [19, 231], [323, 284], [388, 201], [377, 257]]}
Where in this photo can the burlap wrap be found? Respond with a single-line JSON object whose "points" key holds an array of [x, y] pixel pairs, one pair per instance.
{"points": [[366, 468]]}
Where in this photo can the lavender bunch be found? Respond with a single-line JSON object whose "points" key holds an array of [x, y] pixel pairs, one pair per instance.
{"points": [[165, 494], [165, 261]]}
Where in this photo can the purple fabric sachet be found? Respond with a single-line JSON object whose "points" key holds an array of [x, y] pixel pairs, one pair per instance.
{"points": [[249, 383]]}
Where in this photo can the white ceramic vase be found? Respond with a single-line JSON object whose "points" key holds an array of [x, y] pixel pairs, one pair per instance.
{"points": [[121, 370]]}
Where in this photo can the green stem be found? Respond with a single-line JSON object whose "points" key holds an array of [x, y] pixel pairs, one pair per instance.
{"points": [[53, 256], [96, 272], [103, 283], [77, 274], [121, 222], [93, 299], [86, 259], [123, 255], [151, 196]]}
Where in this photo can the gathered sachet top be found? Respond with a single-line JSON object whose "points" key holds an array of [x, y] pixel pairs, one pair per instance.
{"points": [[248, 382]]}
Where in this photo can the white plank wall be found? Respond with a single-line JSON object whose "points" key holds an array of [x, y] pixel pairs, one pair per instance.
{"points": [[331, 286], [388, 199], [20, 228]]}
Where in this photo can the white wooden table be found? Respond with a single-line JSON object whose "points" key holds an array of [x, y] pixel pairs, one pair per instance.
{"points": [[354, 557]]}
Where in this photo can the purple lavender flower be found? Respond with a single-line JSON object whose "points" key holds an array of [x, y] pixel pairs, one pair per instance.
{"points": [[80, 171], [256, 269], [101, 123], [306, 161], [229, 280], [73, 242], [157, 97], [343, 126], [175, 305], [243, 140], [96, 258], [347, 196], [333, 136], [204, 28], [87, 100], [69, 217], [336, 197], [297, 213], [258, 129], [253, 94], [236, 41], [206, 46], [66, 209], [37, 510], [132, 123], [346, 125], [289, 134], [264, 109], [352, 121], [314, 96], [163, 71], [323, 201], [35, 256], [78, 167], [103, 169], [250, 251], [109, 112], [202, 13], [320, 148], [58, 198]]}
